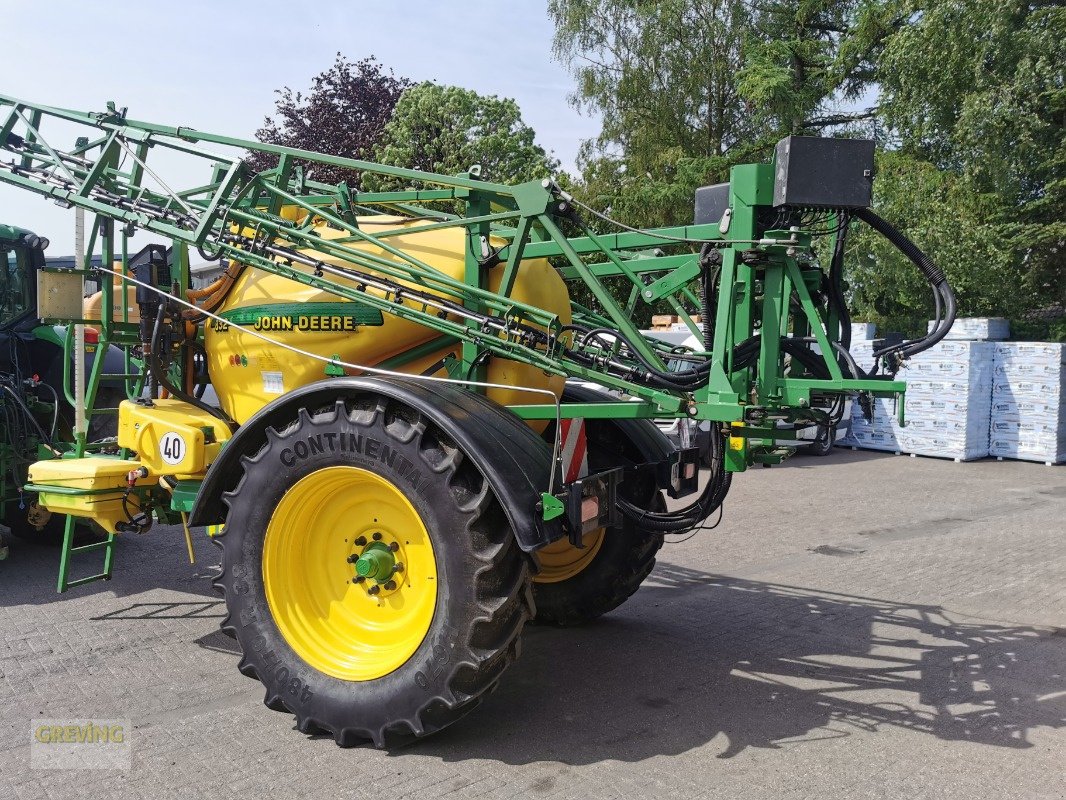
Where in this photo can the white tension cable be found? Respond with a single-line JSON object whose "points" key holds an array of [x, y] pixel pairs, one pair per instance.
{"points": [[361, 367]]}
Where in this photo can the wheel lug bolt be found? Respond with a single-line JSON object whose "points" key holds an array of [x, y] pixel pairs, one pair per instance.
{"points": [[394, 546], [358, 579], [353, 558], [390, 585], [374, 590], [377, 537], [397, 567], [360, 541]]}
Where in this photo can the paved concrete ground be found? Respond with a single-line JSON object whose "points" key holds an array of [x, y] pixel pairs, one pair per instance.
{"points": [[859, 626]]}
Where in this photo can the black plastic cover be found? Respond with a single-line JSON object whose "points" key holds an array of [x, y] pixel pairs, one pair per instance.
{"points": [[711, 203], [814, 172]]}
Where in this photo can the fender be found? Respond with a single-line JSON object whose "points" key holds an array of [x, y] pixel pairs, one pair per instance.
{"points": [[515, 461]]}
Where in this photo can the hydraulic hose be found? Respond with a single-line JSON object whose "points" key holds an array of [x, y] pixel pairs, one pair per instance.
{"points": [[685, 519], [160, 374], [942, 290], [836, 280]]}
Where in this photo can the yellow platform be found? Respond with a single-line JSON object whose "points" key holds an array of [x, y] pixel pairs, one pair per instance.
{"points": [[87, 487]]}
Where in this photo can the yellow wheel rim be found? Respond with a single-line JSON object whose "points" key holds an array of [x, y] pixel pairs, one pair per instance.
{"points": [[560, 560], [328, 558]]}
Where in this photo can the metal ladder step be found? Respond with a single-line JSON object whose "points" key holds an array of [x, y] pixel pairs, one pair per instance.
{"points": [[69, 549]]}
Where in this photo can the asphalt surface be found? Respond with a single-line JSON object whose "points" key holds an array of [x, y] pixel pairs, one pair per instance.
{"points": [[863, 625]]}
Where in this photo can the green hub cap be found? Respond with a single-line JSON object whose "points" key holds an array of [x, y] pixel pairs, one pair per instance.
{"points": [[375, 562]]}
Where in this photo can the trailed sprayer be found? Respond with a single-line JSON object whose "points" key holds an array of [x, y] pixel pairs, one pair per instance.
{"points": [[422, 439]]}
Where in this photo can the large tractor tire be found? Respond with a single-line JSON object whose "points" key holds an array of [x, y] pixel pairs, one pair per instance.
{"points": [[576, 585], [371, 577]]}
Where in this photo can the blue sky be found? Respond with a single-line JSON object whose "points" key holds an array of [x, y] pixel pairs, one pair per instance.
{"points": [[215, 65]]}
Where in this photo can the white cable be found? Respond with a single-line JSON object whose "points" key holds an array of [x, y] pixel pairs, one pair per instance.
{"points": [[362, 368]]}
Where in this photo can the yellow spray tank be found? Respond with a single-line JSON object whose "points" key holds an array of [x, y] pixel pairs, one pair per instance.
{"points": [[248, 373]]}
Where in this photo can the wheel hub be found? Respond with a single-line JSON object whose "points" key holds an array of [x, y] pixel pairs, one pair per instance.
{"points": [[375, 563], [377, 568]]}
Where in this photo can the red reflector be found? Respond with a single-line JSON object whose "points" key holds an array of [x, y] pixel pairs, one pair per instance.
{"points": [[590, 509], [92, 336], [690, 470]]}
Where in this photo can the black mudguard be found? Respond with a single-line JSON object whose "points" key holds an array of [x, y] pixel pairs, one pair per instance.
{"points": [[516, 462]]}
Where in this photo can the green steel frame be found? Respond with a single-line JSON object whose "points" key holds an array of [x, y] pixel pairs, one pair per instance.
{"points": [[767, 288]]}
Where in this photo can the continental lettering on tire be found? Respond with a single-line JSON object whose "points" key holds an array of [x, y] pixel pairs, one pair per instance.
{"points": [[346, 442]]}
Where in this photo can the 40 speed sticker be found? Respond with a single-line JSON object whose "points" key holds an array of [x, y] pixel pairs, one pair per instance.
{"points": [[172, 447]]}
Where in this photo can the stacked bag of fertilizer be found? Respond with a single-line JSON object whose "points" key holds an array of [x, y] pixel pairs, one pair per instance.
{"points": [[947, 406], [949, 400], [978, 329], [879, 433], [1029, 402]]}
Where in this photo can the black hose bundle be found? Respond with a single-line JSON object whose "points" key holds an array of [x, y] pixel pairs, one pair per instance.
{"points": [[943, 295], [836, 282], [159, 371], [709, 500]]}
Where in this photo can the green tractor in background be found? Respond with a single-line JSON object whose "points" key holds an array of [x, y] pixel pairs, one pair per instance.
{"points": [[36, 408]]}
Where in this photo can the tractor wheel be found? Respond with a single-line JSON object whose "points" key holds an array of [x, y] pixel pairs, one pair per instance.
{"points": [[822, 444], [18, 521], [370, 575], [105, 426], [576, 585]]}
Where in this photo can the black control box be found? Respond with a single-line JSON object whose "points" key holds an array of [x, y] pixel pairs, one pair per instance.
{"points": [[813, 172]]}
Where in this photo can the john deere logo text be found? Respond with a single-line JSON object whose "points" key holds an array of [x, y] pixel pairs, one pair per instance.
{"points": [[306, 323], [302, 317]]}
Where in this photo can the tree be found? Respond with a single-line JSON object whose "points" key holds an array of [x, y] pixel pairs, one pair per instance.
{"points": [[973, 94], [688, 88], [972, 151], [344, 114], [942, 213], [447, 130]]}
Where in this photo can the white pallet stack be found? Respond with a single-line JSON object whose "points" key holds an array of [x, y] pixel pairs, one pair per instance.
{"points": [[982, 329], [863, 331], [947, 405], [879, 433], [1029, 402]]}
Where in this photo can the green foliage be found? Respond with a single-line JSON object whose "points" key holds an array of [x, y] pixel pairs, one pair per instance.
{"points": [[943, 215], [972, 161], [687, 89], [973, 93], [344, 114], [661, 75], [447, 130]]}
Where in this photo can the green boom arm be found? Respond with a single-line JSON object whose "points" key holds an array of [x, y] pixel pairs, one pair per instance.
{"points": [[768, 281]]}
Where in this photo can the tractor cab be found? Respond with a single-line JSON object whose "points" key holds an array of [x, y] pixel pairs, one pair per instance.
{"points": [[21, 254]]}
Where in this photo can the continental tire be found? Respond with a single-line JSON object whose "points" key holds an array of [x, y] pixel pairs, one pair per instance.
{"points": [[341, 659], [614, 562]]}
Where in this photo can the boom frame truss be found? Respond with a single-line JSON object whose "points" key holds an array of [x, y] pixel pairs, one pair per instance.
{"points": [[768, 285]]}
